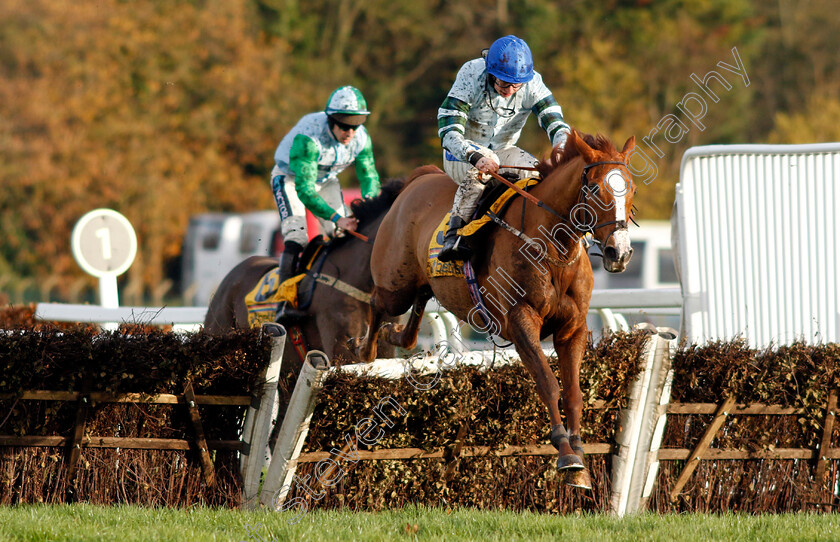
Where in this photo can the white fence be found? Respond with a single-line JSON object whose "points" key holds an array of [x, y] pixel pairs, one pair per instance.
{"points": [[634, 466], [759, 243], [181, 318], [608, 304]]}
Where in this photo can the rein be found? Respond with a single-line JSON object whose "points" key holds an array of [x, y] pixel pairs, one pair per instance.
{"points": [[358, 235], [526, 195], [585, 183]]}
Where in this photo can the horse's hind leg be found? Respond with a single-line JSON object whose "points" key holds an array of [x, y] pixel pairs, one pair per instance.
{"points": [[384, 302], [366, 349]]}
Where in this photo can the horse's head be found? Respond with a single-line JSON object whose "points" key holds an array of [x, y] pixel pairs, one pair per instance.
{"points": [[606, 198]]}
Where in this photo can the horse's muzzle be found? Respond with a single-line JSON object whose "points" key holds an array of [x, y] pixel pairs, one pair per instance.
{"points": [[617, 251]]}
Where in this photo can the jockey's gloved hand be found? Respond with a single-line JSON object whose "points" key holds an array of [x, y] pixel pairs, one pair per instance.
{"points": [[487, 165], [347, 223], [484, 160]]}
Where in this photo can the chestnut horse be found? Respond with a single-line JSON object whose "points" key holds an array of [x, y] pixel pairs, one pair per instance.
{"points": [[335, 316], [538, 280]]}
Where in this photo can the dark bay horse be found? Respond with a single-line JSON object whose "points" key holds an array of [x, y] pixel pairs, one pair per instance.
{"points": [[335, 315], [537, 283]]}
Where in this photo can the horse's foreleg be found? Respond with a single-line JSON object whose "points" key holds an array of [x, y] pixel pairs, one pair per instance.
{"points": [[569, 356], [525, 333], [366, 350], [405, 336]]}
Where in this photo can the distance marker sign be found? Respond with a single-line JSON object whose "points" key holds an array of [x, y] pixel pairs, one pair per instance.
{"points": [[104, 243]]}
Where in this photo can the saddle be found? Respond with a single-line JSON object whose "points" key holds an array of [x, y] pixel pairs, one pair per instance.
{"points": [[310, 253], [495, 200], [261, 302]]}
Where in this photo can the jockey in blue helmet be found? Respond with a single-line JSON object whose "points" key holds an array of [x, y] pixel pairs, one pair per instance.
{"points": [[480, 122]]}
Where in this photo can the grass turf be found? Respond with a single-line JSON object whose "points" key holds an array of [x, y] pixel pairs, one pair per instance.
{"points": [[131, 523]]}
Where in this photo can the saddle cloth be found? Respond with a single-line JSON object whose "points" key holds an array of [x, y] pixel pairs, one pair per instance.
{"points": [[262, 300], [437, 268]]}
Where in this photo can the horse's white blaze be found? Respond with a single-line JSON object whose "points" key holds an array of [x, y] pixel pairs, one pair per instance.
{"points": [[619, 186], [621, 241]]}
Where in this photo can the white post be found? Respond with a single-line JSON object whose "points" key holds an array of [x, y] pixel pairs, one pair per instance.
{"points": [[657, 410], [257, 427], [109, 298], [642, 423], [295, 427], [629, 431]]}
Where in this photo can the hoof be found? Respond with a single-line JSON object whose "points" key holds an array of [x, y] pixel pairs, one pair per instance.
{"points": [[569, 462], [578, 478], [353, 344]]}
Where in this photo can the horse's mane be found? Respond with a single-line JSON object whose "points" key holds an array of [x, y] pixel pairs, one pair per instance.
{"points": [[559, 157], [366, 210]]}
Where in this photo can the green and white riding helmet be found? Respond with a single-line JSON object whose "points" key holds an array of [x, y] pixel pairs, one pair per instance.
{"points": [[347, 106]]}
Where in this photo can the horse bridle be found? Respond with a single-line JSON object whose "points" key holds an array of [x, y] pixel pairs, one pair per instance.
{"points": [[585, 191]]}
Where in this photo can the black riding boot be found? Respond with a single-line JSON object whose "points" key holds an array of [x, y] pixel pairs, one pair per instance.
{"points": [[288, 262], [455, 247]]}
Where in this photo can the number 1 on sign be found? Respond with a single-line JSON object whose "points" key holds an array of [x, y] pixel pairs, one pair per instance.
{"points": [[104, 235]]}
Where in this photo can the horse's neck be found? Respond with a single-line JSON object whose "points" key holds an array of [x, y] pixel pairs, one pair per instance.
{"points": [[561, 188], [352, 259], [559, 191]]}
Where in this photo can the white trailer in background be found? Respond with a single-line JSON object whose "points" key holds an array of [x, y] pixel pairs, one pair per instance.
{"points": [[759, 237], [216, 242]]}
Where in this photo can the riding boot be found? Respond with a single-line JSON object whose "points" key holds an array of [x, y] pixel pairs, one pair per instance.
{"points": [[288, 262], [455, 247]]}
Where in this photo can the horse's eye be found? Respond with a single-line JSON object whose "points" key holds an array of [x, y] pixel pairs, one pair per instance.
{"points": [[595, 188]]}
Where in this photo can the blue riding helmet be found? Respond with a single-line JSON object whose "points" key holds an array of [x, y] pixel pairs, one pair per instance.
{"points": [[510, 60]]}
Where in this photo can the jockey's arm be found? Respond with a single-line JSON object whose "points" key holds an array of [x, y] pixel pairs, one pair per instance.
{"points": [[451, 126], [452, 122], [366, 171], [303, 161], [549, 114]]}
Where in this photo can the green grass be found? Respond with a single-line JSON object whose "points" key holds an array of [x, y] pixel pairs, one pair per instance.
{"points": [[129, 523]]}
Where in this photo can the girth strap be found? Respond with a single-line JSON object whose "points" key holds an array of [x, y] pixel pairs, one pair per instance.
{"points": [[342, 287]]}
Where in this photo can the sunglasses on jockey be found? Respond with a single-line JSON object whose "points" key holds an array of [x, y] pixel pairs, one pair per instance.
{"points": [[343, 126], [505, 85]]}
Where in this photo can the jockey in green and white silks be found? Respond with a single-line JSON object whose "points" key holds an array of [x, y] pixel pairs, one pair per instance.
{"points": [[480, 122], [305, 176], [310, 157]]}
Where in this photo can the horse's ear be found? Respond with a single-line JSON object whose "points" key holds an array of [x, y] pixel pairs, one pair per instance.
{"points": [[629, 146], [583, 148]]}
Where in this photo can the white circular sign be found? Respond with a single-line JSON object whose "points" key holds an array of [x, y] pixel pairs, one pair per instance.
{"points": [[104, 243]]}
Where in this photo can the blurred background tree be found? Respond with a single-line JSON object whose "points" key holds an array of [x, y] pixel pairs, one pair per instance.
{"points": [[162, 110]]}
